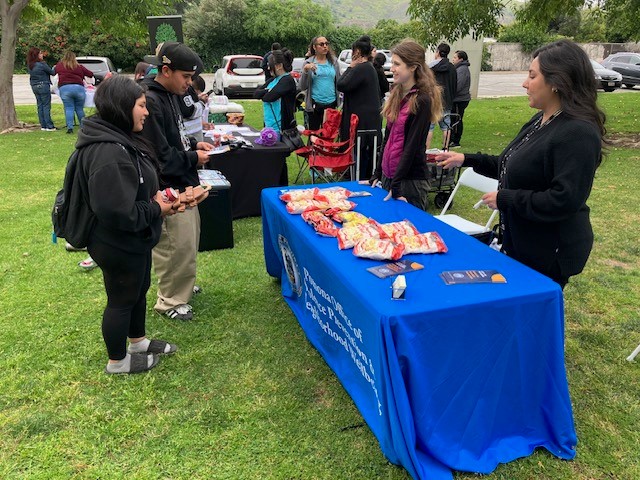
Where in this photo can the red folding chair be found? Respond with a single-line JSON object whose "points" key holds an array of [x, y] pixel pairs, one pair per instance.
{"points": [[328, 131], [330, 161]]}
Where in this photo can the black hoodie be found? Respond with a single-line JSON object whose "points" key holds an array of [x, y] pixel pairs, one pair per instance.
{"points": [[121, 184], [447, 78], [178, 167]]}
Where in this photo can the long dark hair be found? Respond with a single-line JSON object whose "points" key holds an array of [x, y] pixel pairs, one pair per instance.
{"points": [[32, 57], [330, 53], [284, 56], [567, 68]]}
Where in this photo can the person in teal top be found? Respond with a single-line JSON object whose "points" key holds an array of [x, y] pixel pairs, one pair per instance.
{"points": [[319, 77], [278, 94]]}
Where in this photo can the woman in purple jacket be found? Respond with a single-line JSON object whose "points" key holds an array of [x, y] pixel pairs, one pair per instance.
{"points": [[415, 102]]}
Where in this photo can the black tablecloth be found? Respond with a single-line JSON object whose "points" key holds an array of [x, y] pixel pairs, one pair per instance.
{"points": [[249, 170]]}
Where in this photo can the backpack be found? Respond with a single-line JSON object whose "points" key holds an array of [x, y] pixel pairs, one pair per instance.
{"points": [[71, 216]]}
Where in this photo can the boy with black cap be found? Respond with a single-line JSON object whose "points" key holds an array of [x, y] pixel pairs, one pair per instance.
{"points": [[179, 156]]}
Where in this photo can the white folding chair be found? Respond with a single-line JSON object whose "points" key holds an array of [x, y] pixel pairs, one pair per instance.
{"points": [[474, 180], [634, 354]]}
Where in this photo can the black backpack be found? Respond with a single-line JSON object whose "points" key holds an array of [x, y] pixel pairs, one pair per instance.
{"points": [[71, 216]]}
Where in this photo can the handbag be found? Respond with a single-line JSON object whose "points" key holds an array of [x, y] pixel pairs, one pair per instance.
{"points": [[291, 138]]}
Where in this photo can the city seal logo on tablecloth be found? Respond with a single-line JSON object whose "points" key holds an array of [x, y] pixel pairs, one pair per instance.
{"points": [[290, 265]]}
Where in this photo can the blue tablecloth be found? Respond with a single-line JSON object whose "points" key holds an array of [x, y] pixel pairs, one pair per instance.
{"points": [[460, 377]]}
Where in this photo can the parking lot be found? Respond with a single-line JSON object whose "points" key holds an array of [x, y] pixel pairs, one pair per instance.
{"points": [[492, 84]]}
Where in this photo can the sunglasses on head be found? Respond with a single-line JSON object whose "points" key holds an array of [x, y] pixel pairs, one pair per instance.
{"points": [[323, 44]]}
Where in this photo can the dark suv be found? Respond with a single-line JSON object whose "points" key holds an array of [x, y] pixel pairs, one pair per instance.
{"points": [[626, 63]]}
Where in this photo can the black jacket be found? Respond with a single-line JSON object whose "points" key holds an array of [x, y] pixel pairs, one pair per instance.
{"points": [[178, 167], [543, 199], [447, 78], [121, 184], [412, 164], [361, 96], [285, 90]]}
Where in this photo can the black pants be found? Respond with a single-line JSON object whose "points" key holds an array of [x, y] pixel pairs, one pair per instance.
{"points": [[316, 116], [127, 277], [456, 132]]}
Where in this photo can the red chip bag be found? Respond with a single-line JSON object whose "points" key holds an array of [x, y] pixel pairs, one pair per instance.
{"points": [[405, 227], [350, 235], [298, 194], [429, 242], [339, 206], [378, 249], [351, 218], [299, 206], [332, 194], [321, 223]]}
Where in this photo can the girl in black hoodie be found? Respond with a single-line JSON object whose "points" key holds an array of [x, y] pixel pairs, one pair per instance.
{"points": [[123, 194]]}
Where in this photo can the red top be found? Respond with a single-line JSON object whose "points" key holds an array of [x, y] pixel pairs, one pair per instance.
{"points": [[71, 77]]}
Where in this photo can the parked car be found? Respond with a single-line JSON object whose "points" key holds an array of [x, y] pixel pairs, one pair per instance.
{"points": [[344, 60], [609, 80], [100, 66], [238, 74], [627, 64], [296, 70]]}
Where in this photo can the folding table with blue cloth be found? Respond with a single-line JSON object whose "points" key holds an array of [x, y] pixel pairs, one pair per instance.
{"points": [[454, 377]]}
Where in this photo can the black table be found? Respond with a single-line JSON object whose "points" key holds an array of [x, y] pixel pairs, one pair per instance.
{"points": [[249, 170]]}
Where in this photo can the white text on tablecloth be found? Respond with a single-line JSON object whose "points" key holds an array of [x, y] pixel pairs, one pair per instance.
{"points": [[333, 320]]}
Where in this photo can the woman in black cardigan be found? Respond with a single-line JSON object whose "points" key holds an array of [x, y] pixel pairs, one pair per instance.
{"points": [[359, 83], [546, 173]]}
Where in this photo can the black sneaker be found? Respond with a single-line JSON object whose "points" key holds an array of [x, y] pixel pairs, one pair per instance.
{"points": [[69, 130]]}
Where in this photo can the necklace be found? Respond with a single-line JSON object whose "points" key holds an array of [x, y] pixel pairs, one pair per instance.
{"points": [[515, 146]]}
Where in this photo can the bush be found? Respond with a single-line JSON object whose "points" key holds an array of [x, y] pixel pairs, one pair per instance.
{"points": [[529, 36]]}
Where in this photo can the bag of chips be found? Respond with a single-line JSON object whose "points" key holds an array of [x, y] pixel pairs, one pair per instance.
{"points": [[332, 194], [378, 249], [298, 194], [429, 242], [350, 218], [299, 206], [405, 227], [350, 235], [321, 223]]}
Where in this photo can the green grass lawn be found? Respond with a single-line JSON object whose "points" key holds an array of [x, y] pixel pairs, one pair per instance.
{"points": [[247, 397]]}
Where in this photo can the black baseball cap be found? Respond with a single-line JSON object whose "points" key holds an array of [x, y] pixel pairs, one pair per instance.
{"points": [[176, 56]]}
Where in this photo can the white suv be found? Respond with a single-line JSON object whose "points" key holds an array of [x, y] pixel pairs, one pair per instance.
{"points": [[100, 66], [238, 74]]}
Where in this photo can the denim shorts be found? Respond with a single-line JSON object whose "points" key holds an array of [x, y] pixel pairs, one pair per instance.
{"points": [[445, 123]]}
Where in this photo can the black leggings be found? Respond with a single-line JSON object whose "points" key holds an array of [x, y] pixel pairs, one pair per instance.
{"points": [[127, 277], [316, 116]]}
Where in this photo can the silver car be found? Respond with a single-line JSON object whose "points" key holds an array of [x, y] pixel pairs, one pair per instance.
{"points": [[608, 79]]}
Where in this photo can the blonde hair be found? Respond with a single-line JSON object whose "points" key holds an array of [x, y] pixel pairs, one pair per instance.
{"points": [[69, 60], [413, 54]]}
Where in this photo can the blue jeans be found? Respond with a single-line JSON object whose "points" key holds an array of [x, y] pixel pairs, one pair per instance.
{"points": [[72, 96], [43, 99]]}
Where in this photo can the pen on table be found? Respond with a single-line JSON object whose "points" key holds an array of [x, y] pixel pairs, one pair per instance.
{"points": [[478, 205]]}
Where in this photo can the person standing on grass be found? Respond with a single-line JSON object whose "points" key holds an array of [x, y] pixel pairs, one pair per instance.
{"points": [[318, 80], [40, 74], [359, 83], [414, 102], [71, 77], [545, 174], [179, 156], [122, 187], [446, 77], [462, 97]]}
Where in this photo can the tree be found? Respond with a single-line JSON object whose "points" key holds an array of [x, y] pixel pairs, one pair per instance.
{"points": [[292, 23], [125, 15], [453, 19], [216, 28]]}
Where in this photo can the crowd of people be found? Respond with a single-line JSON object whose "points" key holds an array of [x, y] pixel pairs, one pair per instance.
{"points": [[138, 145]]}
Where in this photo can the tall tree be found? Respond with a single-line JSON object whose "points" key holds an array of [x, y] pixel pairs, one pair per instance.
{"points": [[128, 15]]}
